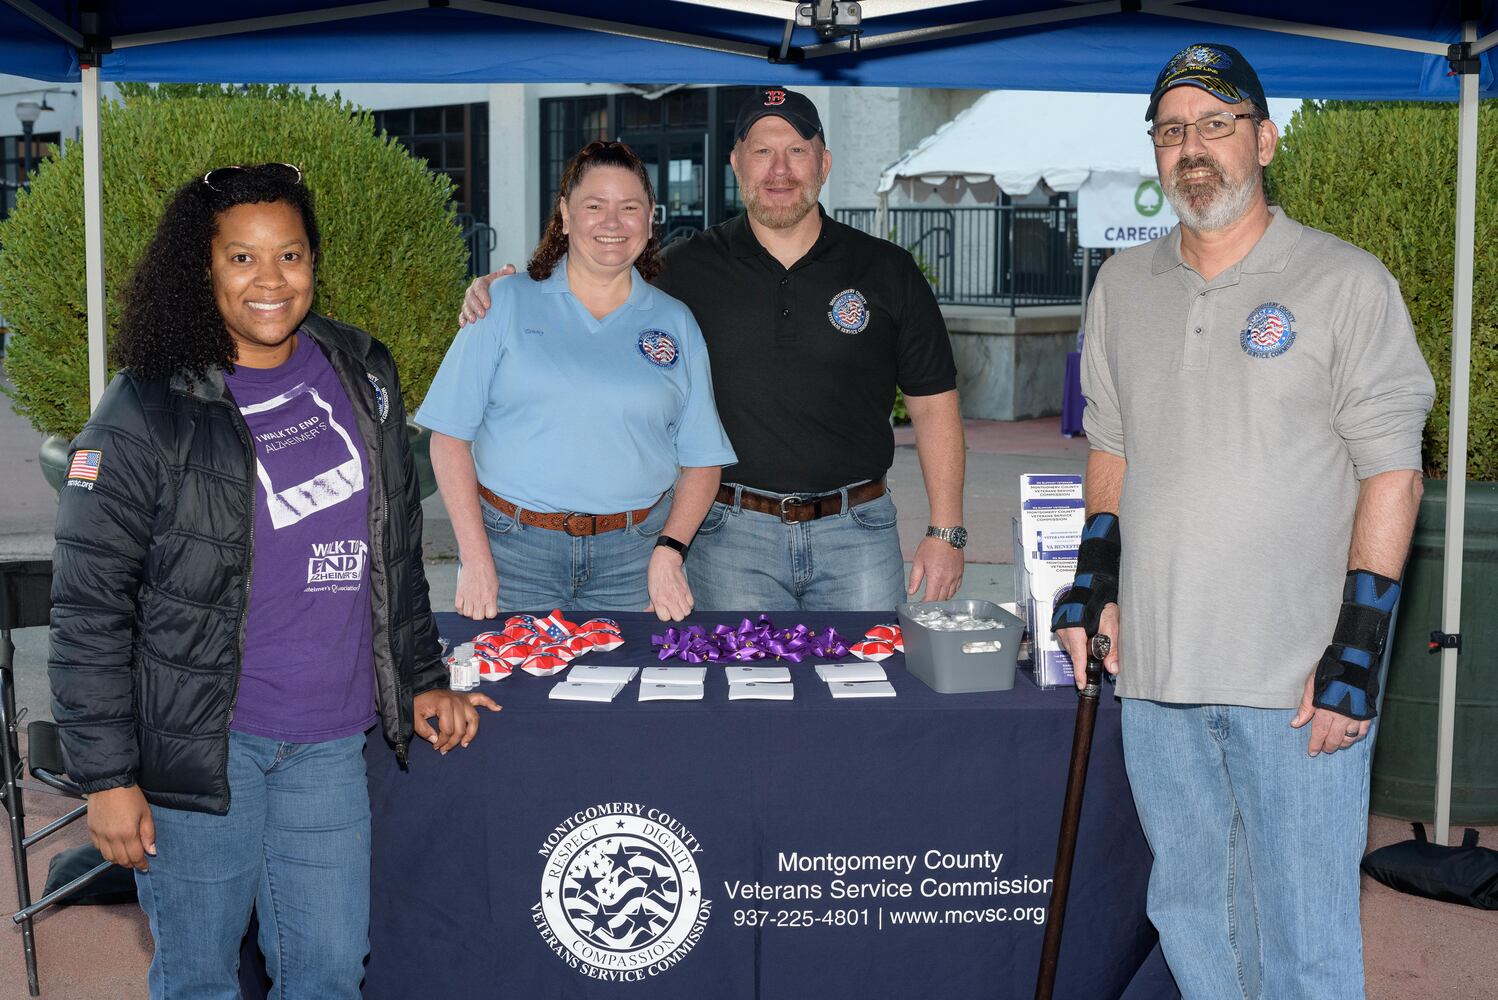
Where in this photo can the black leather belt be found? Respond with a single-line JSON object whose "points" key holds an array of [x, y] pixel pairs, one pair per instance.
{"points": [[794, 508]]}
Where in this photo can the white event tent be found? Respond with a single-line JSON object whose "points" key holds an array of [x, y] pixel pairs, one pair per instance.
{"points": [[1011, 140]]}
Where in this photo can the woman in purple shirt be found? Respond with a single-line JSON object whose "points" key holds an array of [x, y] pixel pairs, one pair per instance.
{"points": [[239, 597]]}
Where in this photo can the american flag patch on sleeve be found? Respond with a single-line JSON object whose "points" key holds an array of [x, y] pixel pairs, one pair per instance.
{"points": [[85, 465]]}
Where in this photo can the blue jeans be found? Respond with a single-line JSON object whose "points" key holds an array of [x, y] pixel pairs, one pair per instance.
{"points": [[742, 560], [540, 569], [295, 846], [1255, 884]]}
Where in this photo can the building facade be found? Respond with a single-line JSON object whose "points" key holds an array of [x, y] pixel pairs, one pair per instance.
{"points": [[505, 146]]}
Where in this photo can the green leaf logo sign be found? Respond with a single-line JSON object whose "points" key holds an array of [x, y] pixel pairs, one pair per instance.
{"points": [[1148, 198]]}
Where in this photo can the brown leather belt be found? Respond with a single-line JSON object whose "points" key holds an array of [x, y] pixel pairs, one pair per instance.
{"points": [[793, 509], [572, 523]]}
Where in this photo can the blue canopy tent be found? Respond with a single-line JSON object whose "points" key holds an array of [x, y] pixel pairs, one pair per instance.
{"points": [[1372, 50]]}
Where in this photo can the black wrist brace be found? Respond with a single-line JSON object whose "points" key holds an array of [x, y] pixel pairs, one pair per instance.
{"points": [[1096, 583], [1347, 676]]}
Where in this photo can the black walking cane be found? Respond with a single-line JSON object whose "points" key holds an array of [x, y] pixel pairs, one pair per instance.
{"points": [[1071, 815]]}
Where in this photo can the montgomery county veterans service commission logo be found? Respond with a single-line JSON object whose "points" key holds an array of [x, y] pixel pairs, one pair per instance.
{"points": [[658, 348], [849, 311], [1269, 332], [382, 396], [621, 892]]}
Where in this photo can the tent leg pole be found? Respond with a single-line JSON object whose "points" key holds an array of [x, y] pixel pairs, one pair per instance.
{"points": [[1456, 455], [93, 235]]}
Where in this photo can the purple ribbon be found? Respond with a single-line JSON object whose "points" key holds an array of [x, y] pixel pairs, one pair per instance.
{"points": [[748, 641]]}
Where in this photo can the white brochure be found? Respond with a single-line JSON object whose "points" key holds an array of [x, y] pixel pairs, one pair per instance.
{"points": [[674, 691], [865, 689], [830, 672], [745, 690], [673, 675], [765, 675], [570, 690], [594, 673]]}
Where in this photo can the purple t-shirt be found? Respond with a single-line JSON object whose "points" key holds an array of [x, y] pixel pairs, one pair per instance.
{"points": [[308, 673]]}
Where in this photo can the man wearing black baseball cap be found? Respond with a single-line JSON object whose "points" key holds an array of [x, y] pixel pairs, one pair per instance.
{"points": [[1255, 403], [810, 326]]}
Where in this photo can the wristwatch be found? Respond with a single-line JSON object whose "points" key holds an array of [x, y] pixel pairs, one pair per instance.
{"points": [[667, 542], [955, 537]]}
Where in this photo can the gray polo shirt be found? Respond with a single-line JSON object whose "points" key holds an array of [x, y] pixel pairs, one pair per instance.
{"points": [[1247, 409]]}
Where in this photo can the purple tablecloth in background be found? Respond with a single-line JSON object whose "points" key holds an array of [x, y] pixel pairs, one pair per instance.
{"points": [[1072, 402]]}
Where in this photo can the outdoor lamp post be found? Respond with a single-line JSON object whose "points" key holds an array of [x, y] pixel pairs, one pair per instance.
{"points": [[27, 112]]}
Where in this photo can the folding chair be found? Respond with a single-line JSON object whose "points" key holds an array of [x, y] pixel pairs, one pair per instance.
{"points": [[26, 602]]}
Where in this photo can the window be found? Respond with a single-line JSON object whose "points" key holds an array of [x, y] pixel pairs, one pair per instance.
{"points": [[13, 163], [684, 135], [567, 125], [453, 140]]}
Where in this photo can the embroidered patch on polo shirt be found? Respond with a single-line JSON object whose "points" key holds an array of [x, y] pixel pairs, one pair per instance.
{"points": [[1269, 332], [658, 347], [849, 311]]}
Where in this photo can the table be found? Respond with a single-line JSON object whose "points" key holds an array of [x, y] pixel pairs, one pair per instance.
{"points": [[690, 839]]}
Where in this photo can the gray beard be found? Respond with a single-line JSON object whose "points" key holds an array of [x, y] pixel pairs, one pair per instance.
{"points": [[1229, 204]]}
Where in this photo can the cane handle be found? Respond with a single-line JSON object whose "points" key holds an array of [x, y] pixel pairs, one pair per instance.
{"points": [[1097, 652]]}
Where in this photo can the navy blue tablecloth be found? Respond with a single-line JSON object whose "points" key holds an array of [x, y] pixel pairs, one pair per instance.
{"points": [[844, 850], [716, 849]]}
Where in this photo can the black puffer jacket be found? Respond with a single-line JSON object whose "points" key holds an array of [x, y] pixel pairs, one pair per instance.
{"points": [[150, 577]]}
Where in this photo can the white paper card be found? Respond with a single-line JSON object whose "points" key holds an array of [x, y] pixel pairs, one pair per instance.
{"points": [[764, 675], [674, 691], [673, 675], [594, 673], [865, 689], [570, 690], [831, 672], [745, 690]]}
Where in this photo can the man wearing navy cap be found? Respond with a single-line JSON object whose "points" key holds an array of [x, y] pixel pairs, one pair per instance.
{"points": [[1255, 404], [810, 326]]}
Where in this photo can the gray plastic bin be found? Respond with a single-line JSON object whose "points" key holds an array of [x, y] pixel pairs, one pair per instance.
{"points": [[937, 657]]}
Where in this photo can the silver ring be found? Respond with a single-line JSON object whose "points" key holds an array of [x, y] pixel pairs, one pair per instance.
{"points": [[1351, 734]]}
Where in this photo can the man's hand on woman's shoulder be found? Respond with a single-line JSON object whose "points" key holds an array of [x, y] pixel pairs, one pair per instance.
{"points": [[476, 299]]}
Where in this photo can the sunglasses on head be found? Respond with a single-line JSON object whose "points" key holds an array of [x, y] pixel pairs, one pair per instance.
{"points": [[223, 175]]}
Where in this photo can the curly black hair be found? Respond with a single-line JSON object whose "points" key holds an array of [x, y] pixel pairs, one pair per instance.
{"points": [[553, 245], [171, 323]]}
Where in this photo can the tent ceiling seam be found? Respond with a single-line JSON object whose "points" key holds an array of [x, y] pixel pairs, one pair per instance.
{"points": [[723, 45], [993, 24], [59, 28], [252, 24], [1369, 38], [351, 11]]}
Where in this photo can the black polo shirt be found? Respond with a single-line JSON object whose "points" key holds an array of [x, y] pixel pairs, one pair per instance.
{"points": [[806, 360]]}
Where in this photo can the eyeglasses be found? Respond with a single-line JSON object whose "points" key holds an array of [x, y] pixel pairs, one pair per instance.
{"points": [[1218, 126], [281, 171]]}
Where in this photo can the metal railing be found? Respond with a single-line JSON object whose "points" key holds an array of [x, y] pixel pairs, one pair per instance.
{"points": [[996, 255], [480, 240]]}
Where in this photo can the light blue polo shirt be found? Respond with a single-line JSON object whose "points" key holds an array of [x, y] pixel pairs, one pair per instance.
{"points": [[567, 412]]}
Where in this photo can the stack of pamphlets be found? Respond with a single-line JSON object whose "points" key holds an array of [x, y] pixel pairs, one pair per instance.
{"points": [[759, 683], [856, 680]]}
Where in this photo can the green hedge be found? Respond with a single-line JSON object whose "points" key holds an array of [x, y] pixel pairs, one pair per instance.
{"points": [[392, 254], [1383, 176]]}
